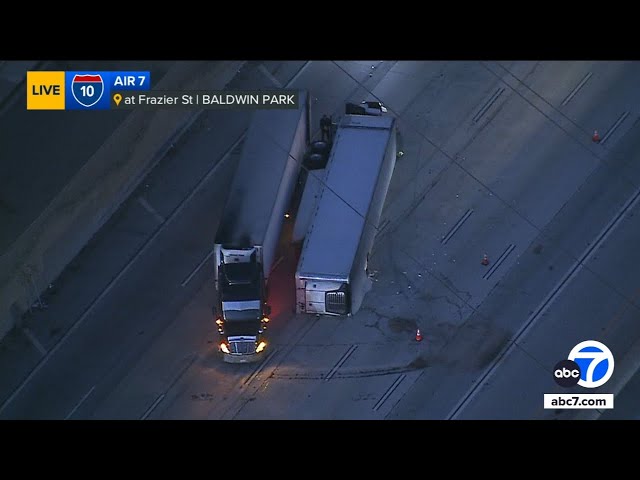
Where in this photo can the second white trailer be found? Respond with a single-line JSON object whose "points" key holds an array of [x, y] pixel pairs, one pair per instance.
{"points": [[331, 277]]}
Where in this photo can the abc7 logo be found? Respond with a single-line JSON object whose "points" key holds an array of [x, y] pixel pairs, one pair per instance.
{"points": [[566, 373], [593, 357]]}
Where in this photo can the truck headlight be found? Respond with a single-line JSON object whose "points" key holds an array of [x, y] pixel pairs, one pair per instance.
{"points": [[224, 348], [261, 346]]}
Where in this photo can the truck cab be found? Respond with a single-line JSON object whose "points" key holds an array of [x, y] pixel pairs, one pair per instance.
{"points": [[241, 316], [248, 236]]}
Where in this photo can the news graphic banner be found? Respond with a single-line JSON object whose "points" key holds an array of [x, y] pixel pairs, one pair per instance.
{"points": [[249, 99], [80, 90], [131, 90]]}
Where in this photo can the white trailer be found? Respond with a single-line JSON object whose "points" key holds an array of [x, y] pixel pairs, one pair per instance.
{"points": [[331, 276]]}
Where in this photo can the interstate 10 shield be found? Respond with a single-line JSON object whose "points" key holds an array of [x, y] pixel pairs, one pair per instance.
{"points": [[87, 89]]}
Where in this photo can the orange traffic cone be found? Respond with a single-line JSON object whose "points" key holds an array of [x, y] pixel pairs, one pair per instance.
{"points": [[485, 260], [418, 336], [596, 136]]}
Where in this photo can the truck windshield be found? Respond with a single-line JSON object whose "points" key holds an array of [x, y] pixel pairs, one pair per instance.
{"points": [[242, 327], [241, 315], [238, 293]]}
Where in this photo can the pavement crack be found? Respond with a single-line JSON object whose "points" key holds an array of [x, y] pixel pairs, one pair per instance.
{"points": [[465, 294], [376, 324]]}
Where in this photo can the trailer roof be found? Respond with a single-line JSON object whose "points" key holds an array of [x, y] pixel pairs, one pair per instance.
{"points": [[311, 193], [352, 174], [260, 169]]}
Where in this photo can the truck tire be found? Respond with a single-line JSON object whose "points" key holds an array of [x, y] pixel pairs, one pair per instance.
{"points": [[320, 146], [317, 161]]}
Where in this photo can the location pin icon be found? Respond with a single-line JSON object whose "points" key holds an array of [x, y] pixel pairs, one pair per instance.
{"points": [[117, 98]]}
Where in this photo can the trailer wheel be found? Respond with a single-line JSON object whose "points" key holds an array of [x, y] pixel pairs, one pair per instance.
{"points": [[320, 146], [317, 161]]}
